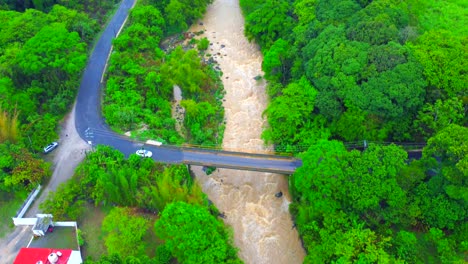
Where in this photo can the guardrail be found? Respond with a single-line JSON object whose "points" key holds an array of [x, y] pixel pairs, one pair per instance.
{"points": [[239, 154], [239, 167]]}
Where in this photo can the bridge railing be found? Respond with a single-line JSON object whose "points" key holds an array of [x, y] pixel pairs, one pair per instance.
{"points": [[239, 167], [235, 153]]}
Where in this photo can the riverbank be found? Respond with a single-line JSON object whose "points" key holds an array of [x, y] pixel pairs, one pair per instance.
{"points": [[263, 230]]}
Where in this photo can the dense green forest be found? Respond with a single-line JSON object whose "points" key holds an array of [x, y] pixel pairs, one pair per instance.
{"points": [[42, 55], [337, 71], [145, 195], [371, 70], [141, 77], [343, 71], [43, 49], [96, 10]]}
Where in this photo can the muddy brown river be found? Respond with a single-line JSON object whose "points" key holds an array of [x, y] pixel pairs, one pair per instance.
{"points": [[263, 230]]}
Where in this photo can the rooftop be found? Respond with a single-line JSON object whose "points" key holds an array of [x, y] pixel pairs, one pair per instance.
{"points": [[43, 222], [61, 238], [34, 255]]}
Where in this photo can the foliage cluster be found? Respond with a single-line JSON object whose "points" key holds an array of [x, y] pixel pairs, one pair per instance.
{"points": [[20, 169], [134, 93], [378, 70], [79, 235], [140, 188], [202, 91], [41, 58], [180, 14], [209, 243], [203, 44], [141, 81], [374, 207], [123, 223], [118, 259], [94, 9]]}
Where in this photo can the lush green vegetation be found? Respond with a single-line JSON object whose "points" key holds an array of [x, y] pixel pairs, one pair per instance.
{"points": [[193, 235], [382, 70], [95, 9], [93, 246], [10, 203], [374, 207], [41, 59], [370, 70], [139, 88], [346, 70], [138, 188], [180, 14]]}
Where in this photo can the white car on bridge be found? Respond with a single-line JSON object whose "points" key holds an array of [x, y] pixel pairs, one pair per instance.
{"points": [[144, 153]]}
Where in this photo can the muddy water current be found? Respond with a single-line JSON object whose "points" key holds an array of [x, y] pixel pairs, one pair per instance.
{"points": [[263, 230]]}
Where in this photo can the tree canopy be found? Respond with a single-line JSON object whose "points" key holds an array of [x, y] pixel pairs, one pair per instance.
{"points": [[125, 231], [375, 62], [41, 59], [194, 236], [360, 71], [142, 78]]}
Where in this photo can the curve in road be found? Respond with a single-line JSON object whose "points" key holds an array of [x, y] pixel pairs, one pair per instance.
{"points": [[92, 128]]}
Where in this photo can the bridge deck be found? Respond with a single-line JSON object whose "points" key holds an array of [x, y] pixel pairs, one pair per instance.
{"points": [[241, 161]]}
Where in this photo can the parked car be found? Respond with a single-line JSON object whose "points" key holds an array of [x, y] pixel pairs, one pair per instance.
{"points": [[144, 153], [50, 147]]}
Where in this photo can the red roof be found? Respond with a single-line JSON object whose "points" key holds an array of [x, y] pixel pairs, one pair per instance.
{"points": [[33, 255]]}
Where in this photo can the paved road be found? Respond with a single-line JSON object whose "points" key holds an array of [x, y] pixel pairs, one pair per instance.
{"points": [[92, 128]]}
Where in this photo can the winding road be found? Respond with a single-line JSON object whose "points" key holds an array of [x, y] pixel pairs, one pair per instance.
{"points": [[92, 128]]}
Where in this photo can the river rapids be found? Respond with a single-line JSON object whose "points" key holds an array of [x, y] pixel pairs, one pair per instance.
{"points": [[263, 230]]}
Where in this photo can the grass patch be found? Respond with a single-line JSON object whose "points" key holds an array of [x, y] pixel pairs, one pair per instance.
{"points": [[90, 225], [10, 203], [150, 238]]}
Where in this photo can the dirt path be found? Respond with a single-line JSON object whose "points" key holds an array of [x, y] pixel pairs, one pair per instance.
{"points": [[71, 151], [263, 229], [65, 158]]}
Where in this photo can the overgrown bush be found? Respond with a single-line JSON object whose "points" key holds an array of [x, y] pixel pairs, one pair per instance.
{"points": [[203, 44]]}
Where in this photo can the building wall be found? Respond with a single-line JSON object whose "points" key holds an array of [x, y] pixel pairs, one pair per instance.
{"points": [[28, 202], [24, 221], [68, 223]]}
